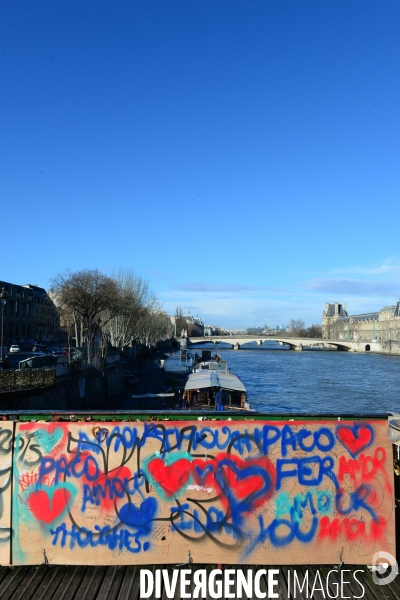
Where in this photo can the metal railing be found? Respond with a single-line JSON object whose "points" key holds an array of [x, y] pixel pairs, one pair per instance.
{"points": [[26, 378]]}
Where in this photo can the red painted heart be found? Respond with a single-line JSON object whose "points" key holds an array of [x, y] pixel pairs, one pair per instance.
{"points": [[245, 482], [45, 508], [355, 438], [171, 478]]}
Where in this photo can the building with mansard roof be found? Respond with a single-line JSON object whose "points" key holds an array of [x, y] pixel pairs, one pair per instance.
{"points": [[379, 326]]}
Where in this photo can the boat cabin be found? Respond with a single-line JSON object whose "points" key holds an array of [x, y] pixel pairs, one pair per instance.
{"points": [[211, 365], [203, 385]]}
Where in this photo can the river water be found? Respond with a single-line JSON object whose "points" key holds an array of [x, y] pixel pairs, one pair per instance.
{"points": [[316, 381]]}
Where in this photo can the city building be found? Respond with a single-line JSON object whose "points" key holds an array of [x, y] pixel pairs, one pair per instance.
{"points": [[380, 326], [47, 319], [195, 325], [19, 312], [29, 313]]}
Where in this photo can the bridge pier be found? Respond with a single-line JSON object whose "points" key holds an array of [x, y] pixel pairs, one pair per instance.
{"points": [[236, 346], [299, 348], [259, 342]]}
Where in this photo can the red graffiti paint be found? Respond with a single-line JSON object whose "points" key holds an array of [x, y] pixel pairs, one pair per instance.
{"points": [[351, 529], [48, 427], [354, 472], [238, 475], [46, 507], [171, 478], [244, 481], [354, 440]]}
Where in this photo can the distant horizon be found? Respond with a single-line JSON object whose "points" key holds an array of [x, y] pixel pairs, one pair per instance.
{"points": [[279, 322]]}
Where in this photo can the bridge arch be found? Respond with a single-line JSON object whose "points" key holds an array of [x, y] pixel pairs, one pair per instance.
{"points": [[239, 342]]}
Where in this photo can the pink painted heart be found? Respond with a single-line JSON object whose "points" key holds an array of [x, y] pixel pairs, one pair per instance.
{"points": [[47, 508], [355, 438]]}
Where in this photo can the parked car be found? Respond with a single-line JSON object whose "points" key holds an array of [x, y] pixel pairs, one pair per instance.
{"points": [[40, 348], [15, 348]]}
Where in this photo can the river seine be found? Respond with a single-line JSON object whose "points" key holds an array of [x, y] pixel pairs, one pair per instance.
{"points": [[315, 381]]}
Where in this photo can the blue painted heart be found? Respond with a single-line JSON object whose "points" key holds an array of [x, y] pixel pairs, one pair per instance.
{"points": [[139, 517]]}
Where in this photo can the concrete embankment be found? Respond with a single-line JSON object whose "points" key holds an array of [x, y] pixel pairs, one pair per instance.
{"points": [[80, 390], [151, 379]]}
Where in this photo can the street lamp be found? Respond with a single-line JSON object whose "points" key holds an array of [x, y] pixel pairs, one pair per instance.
{"points": [[3, 298]]}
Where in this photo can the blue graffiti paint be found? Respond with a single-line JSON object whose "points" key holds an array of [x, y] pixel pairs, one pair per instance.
{"points": [[355, 500], [301, 468], [267, 437], [109, 488], [239, 506], [113, 538], [211, 439], [179, 518], [79, 465], [139, 518], [281, 532], [87, 444]]}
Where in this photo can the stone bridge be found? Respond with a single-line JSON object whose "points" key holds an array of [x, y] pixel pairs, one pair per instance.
{"points": [[294, 343]]}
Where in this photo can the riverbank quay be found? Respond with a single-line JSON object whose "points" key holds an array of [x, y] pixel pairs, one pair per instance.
{"points": [[150, 378], [63, 386], [73, 385], [123, 583], [74, 475]]}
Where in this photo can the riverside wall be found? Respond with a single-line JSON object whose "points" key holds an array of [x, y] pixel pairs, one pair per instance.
{"points": [[79, 390]]}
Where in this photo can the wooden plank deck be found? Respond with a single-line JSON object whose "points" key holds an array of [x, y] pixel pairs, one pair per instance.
{"points": [[122, 583]]}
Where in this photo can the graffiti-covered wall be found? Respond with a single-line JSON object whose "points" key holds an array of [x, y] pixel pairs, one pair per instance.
{"points": [[260, 492], [6, 453]]}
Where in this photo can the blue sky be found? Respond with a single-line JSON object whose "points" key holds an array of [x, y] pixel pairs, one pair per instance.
{"points": [[243, 156]]}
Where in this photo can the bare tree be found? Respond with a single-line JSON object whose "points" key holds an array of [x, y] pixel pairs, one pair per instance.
{"points": [[180, 321], [155, 326], [109, 311], [135, 300], [314, 331], [92, 298], [66, 316], [297, 327]]}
